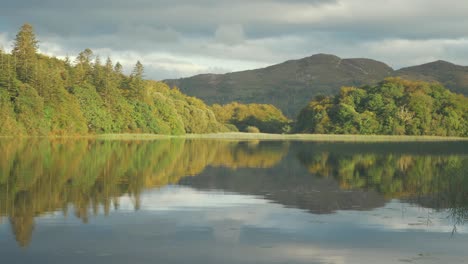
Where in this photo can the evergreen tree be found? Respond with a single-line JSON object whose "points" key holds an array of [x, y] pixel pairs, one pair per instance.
{"points": [[98, 74], [24, 50], [7, 74], [108, 74], [136, 80], [109, 80], [118, 68], [4, 70], [138, 71], [119, 75], [83, 68]]}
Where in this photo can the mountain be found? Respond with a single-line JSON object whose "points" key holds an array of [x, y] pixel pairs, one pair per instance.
{"points": [[292, 84], [289, 85], [452, 76]]}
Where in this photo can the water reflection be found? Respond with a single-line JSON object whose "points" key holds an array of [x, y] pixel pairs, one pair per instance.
{"points": [[434, 175], [88, 176]]}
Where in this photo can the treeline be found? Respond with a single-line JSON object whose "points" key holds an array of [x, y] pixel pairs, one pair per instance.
{"points": [[393, 107], [253, 117], [40, 95]]}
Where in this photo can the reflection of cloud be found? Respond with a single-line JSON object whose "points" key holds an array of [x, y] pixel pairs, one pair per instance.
{"points": [[181, 225], [252, 211], [307, 253], [184, 198], [396, 216]]}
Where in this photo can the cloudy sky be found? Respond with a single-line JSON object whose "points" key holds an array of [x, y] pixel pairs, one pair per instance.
{"points": [[177, 38]]}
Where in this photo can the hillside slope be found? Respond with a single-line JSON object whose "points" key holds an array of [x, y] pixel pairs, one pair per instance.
{"points": [[292, 84], [289, 85], [452, 76]]}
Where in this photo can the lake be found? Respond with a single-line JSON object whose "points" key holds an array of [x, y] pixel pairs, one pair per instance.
{"points": [[220, 201]]}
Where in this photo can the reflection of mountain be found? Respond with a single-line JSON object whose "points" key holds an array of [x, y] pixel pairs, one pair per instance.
{"points": [[343, 176], [45, 176], [288, 184]]}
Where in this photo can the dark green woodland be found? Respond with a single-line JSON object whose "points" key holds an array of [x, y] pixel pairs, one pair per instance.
{"points": [[41, 95], [47, 96], [392, 107]]}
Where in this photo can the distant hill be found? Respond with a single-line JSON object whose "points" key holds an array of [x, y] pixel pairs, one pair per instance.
{"points": [[452, 76], [292, 84], [289, 85]]}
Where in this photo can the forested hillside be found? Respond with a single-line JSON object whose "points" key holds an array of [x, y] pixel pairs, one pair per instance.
{"points": [[394, 106], [292, 84], [289, 85], [40, 95]]}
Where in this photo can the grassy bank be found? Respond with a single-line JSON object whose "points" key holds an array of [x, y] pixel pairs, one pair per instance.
{"points": [[263, 136], [298, 137]]}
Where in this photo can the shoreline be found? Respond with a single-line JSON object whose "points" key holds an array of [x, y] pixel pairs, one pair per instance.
{"points": [[258, 136]]}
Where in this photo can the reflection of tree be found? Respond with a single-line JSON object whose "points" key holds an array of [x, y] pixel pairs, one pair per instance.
{"points": [[38, 176], [22, 221], [394, 175], [435, 181]]}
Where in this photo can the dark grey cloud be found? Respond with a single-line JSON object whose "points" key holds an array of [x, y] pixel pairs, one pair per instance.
{"points": [[183, 37]]}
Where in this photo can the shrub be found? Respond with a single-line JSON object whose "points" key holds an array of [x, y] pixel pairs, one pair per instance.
{"points": [[252, 129]]}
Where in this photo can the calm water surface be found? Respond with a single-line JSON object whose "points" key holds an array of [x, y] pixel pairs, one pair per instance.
{"points": [[205, 201]]}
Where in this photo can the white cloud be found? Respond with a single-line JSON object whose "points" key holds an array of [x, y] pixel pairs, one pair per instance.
{"points": [[5, 42], [412, 52], [230, 34], [182, 38]]}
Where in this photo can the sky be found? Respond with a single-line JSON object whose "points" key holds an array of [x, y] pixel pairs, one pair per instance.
{"points": [[181, 38]]}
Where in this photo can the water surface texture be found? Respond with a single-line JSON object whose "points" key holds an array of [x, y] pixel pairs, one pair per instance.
{"points": [[220, 201]]}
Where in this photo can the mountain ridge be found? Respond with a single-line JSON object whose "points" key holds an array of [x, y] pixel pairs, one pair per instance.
{"points": [[290, 85]]}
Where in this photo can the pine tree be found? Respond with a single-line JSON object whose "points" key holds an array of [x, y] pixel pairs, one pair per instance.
{"points": [[67, 61], [118, 68], [4, 70], [138, 71], [7, 74], [98, 74], [83, 68], [136, 80], [24, 51], [109, 79]]}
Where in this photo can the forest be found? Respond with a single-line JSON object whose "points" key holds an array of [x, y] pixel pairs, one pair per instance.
{"points": [[393, 107], [40, 95], [47, 96]]}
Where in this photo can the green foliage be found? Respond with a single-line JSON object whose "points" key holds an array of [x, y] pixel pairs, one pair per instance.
{"points": [[29, 111], [394, 106], [252, 129], [266, 118], [98, 117], [24, 52], [8, 124], [40, 95]]}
